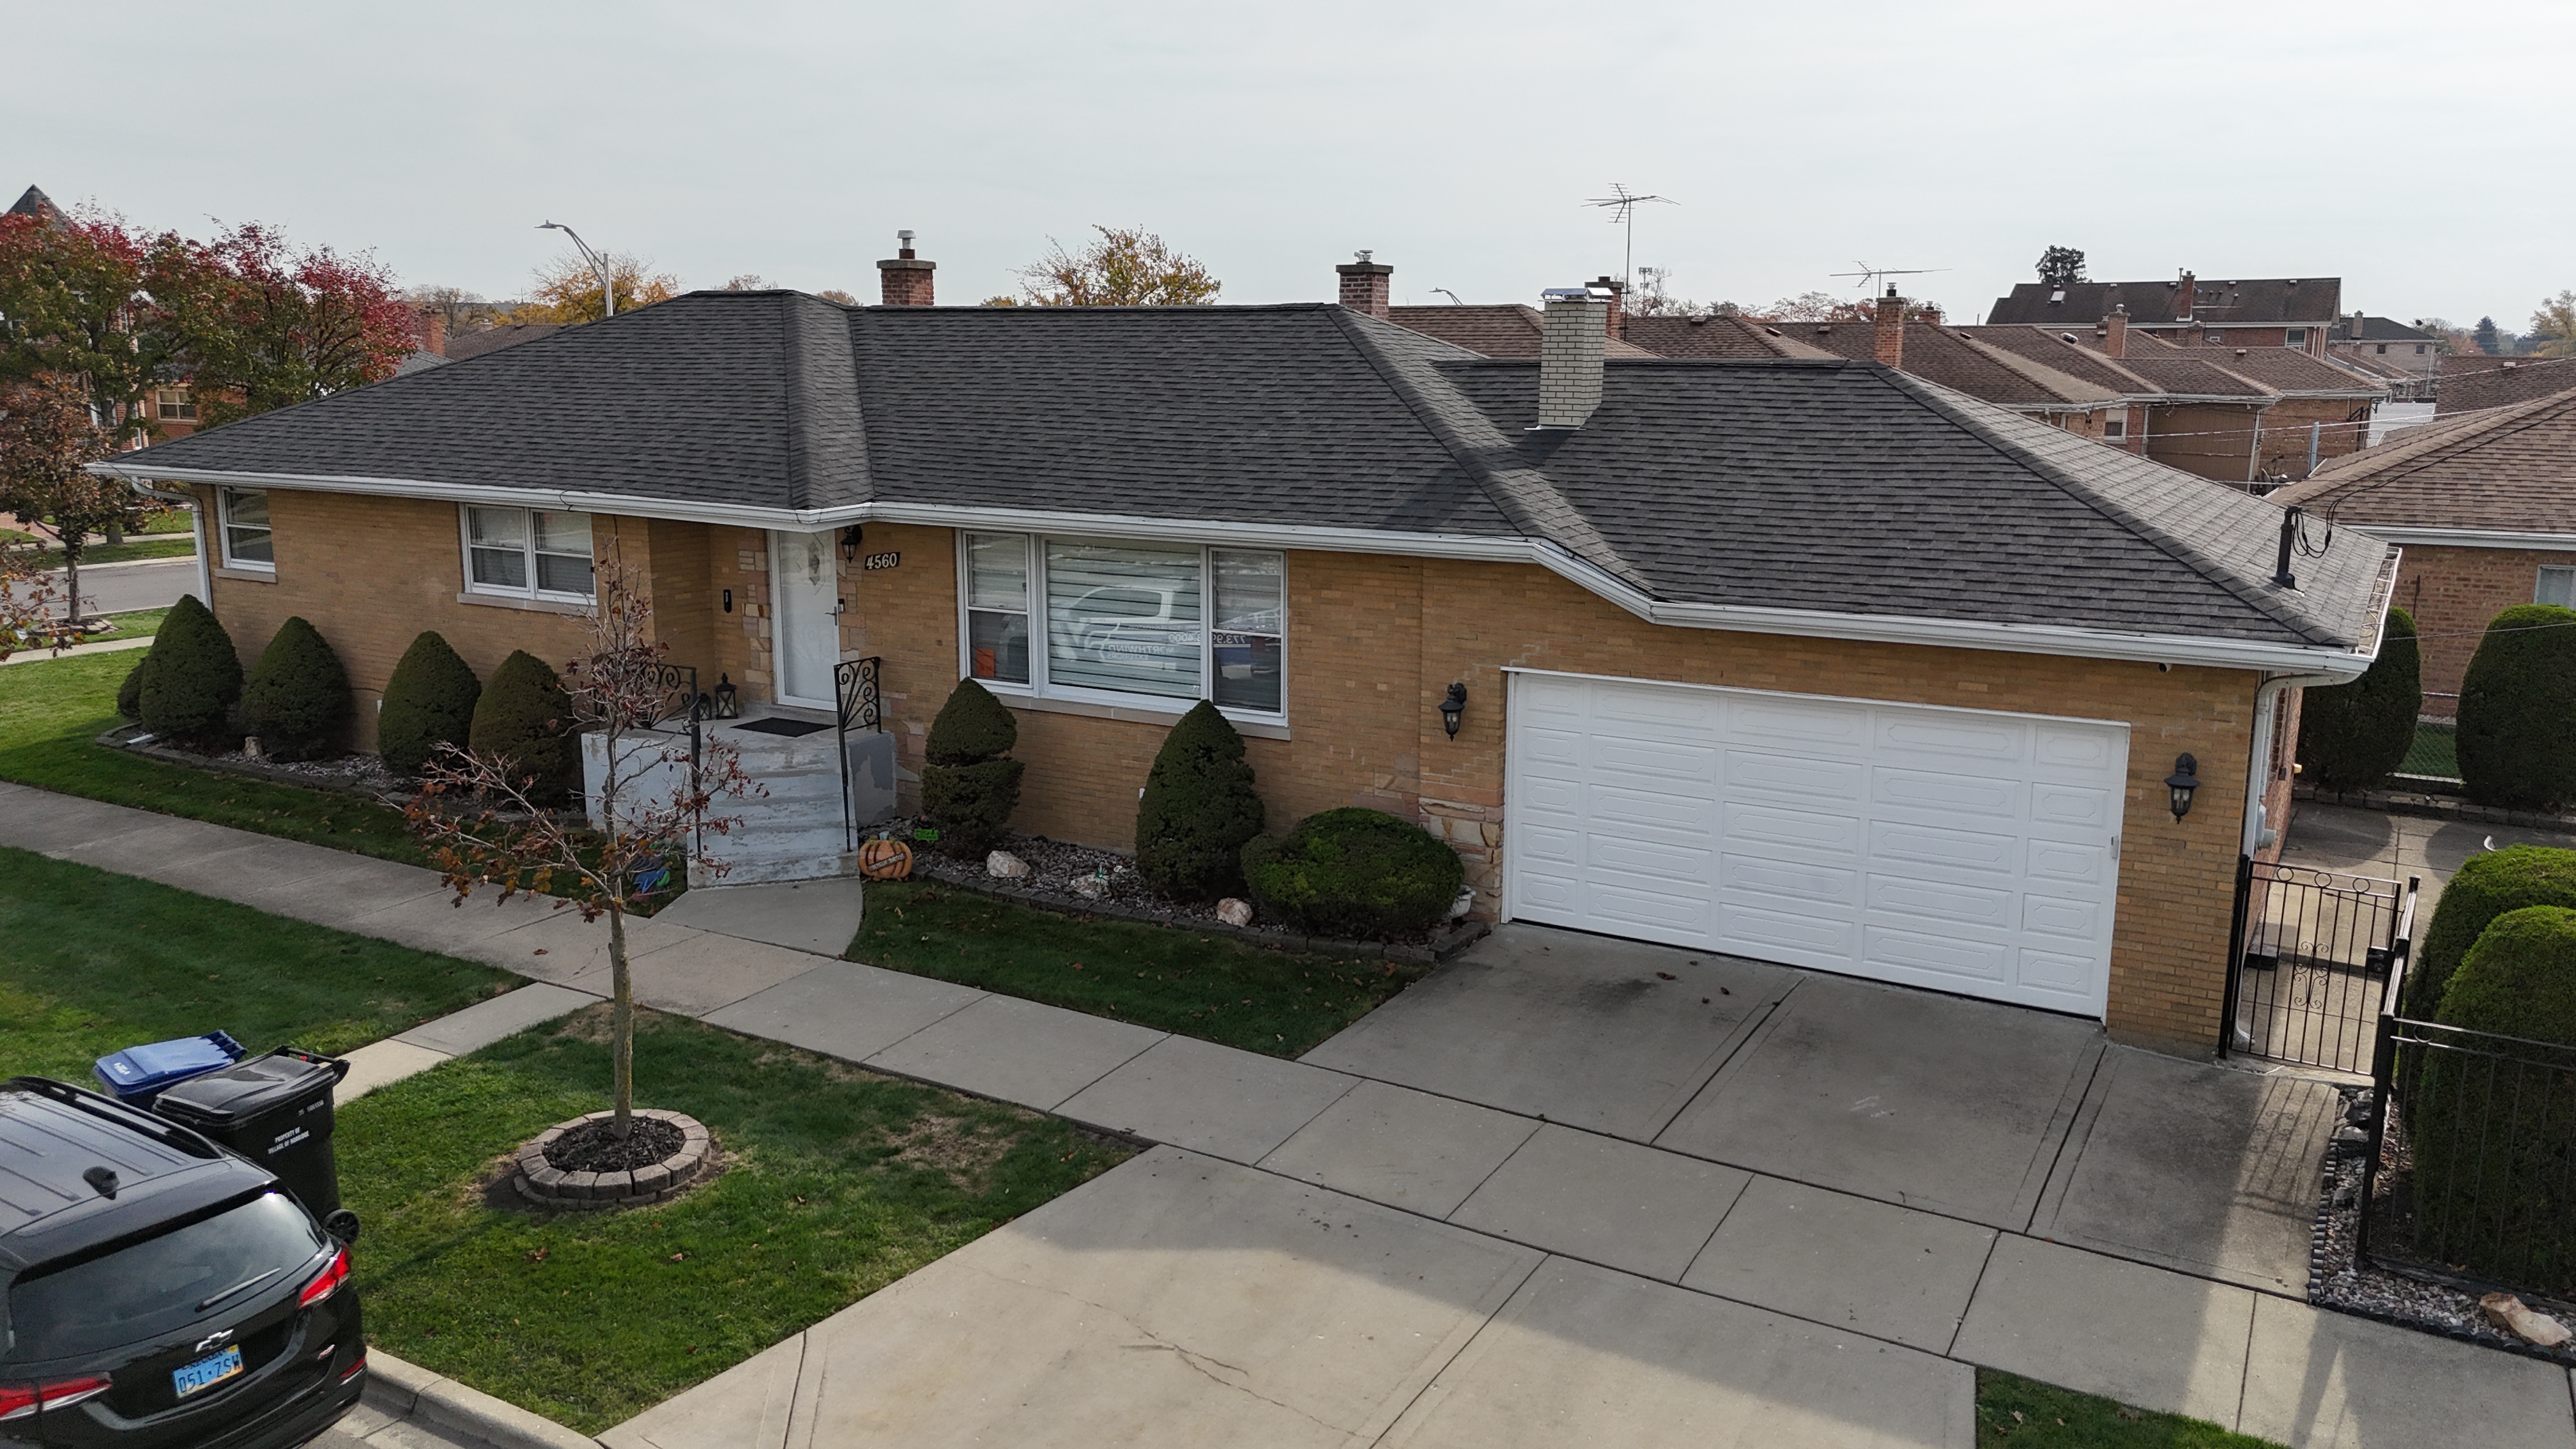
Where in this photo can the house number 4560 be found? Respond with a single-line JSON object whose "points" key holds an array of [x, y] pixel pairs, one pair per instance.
{"points": [[881, 561]]}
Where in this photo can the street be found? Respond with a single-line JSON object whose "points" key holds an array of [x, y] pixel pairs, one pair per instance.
{"points": [[122, 588]]}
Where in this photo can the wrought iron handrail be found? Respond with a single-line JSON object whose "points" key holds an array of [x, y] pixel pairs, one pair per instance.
{"points": [[858, 700]]}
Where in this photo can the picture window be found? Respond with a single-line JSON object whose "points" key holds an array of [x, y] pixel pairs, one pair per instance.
{"points": [[2556, 586], [1096, 619]]}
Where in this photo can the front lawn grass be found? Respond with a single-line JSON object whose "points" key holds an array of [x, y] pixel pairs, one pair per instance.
{"points": [[138, 624], [2018, 1413], [837, 1182], [93, 962], [1170, 978], [131, 551], [51, 712]]}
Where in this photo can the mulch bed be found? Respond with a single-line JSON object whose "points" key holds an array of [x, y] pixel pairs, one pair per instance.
{"points": [[594, 1146]]}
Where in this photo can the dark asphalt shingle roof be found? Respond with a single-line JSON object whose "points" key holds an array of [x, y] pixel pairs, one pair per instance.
{"points": [[1781, 483], [2512, 470], [2270, 301]]}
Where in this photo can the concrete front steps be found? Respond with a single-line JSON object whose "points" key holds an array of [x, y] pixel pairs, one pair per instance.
{"points": [[795, 831]]}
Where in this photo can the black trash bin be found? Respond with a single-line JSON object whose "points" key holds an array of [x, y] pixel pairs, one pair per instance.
{"points": [[274, 1110]]}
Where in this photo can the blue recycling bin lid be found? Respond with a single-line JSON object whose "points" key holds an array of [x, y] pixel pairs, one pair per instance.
{"points": [[142, 1071]]}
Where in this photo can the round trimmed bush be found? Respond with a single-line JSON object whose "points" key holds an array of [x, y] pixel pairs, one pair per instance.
{"points": [[1353, 873], [968, 790], [129, 695], [525, 719], [2487, 886], [2515, 744], [296, 701], [429, 702], [1198, 810], [2353, 735], [193, 678], [2488, 1126]]}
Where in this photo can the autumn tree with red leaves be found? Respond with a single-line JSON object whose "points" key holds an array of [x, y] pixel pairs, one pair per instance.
{"points": [[48, 436], [264, 324]]}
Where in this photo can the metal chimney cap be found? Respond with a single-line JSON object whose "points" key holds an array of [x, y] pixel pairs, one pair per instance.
{"points": [[1555, 294], [904, 236]]}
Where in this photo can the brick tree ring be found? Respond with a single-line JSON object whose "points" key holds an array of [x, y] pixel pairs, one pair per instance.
{"points": [[541, 1181]]}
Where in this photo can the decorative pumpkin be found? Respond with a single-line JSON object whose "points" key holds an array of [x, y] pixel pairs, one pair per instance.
{"points": [[883, 859]]}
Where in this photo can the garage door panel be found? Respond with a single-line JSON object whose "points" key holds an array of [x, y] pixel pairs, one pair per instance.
{"points": [[1964, 850], [1935, 900], [1994, 798], [1611, 853], [1804, 833], [1946, 956], [1641, 761]]}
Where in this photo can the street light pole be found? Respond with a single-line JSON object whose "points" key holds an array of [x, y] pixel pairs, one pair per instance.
{"points": [[607, 293]]}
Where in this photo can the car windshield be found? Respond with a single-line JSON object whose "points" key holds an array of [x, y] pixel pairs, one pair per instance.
{"points": [[161, 1283]]}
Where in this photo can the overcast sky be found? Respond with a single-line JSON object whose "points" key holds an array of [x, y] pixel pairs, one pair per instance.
{"points": [[2420, 152]]}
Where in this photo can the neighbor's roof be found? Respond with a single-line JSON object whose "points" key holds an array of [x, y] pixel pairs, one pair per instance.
{"points": [[1717, 334], [2509, 471], [1957, 361], [1499, 329], [2366, 328], [462, 345], [2309, 301], [2518, 381], [1764, 494]]}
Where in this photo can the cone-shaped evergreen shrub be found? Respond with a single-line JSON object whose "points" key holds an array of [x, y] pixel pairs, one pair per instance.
{"points": [[296, 700], [429, 702], [193, 678], [129, 695], [2488, 1124], [1198, 811], [968, 790], [1353, 873], [2515, 744], [2487, 886], [2353, 735], [526, 718]]}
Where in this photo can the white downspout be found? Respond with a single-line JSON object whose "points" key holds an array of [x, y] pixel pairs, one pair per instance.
{"points": [[197, 507], [2259, 761]]}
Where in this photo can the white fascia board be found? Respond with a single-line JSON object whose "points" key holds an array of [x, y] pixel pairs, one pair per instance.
{"points": [[1817, 624], [2469, 537]]}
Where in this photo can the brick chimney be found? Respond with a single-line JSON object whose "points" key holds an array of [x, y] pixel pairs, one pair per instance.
{"points": [[2183, 297], [904, 279], [1617, 326], [2115, 333], [1890, 338], [430, 326], [1364, 285], [1569, 356]]}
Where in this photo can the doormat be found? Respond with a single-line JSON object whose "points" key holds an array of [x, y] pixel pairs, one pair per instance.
{"points": [[790, 728]]}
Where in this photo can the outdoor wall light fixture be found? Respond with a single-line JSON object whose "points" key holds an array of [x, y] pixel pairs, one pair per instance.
{"points": [[728, 701], [850, 544], [1452, 707], [2180, 784]]}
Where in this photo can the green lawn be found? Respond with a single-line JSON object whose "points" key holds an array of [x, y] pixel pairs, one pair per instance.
{"points": [[94, 961], [1167, 977], [136, 549], [839, 1182], [140, 624], [51, 711], [2432, 752], [2016, 1413]]}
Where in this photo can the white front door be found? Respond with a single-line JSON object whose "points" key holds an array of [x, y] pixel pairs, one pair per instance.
{"points": [[1964, 850], [806, 634]]}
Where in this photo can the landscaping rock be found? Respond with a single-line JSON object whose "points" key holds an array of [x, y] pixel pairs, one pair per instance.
{"points": [[1092, 887], [1005, 866], [2509, 1313], [1234, 912]]}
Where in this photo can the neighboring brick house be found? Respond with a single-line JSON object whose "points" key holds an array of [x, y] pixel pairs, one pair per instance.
{"points": [[2485, 508], [1804, 660], [2502, 382], [2387, 348], [2293, 312]]}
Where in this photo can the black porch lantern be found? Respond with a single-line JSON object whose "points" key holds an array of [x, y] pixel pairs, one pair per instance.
{"points": [[1452, 707], [728, 701], [2180, 784], [850, 544]]}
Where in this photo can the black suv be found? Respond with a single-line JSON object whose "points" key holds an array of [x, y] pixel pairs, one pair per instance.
{"points": [[157, 1291]]}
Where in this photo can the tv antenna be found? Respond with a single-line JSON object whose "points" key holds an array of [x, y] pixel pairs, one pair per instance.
{"points": [[1622, 205], [1869, 275]]}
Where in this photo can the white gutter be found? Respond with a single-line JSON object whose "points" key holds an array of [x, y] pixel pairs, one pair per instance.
{"points": [[1872, 628], [2267, 704], [2470, 537]]}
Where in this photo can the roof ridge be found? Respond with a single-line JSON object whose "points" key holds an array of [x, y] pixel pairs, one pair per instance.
{"points": [[2182, 550], [1523, 494], [2034, 370]]}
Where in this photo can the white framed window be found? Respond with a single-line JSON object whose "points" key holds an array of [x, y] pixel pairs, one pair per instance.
{"points": [[2555, 586], [2419, 349], [2115, 426], [1115, 621], [2294, 337], [174, 405], [249, 542], [528, 553], [2383, 350]]}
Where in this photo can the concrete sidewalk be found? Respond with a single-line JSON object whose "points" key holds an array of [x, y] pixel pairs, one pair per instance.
{"points": [[1388, 1242]]}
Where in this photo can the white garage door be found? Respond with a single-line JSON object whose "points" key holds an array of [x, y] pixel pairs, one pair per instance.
{"points": [[1965, 850]]}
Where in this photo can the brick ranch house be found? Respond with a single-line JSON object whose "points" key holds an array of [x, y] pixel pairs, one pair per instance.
{"points": [[2485, 507], [1805, 660]]}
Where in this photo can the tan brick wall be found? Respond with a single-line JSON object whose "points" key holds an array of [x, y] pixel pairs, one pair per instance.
{"points": [[2453, 594], [2341, 425], [1375, 642]]}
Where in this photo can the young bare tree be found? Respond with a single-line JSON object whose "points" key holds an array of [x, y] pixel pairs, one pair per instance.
{"points": [[483, 827]]}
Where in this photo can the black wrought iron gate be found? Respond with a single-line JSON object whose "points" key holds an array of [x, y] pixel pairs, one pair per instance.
{"points": [[2310, 962]]}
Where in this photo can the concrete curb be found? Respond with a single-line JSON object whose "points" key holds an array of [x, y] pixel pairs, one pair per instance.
{"points": [[409, 1391], [2436, 807]]}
